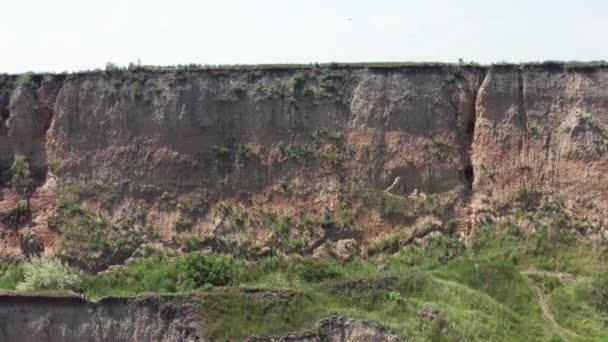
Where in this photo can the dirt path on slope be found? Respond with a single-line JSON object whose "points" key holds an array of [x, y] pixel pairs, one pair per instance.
{"points": [[565, 278]]}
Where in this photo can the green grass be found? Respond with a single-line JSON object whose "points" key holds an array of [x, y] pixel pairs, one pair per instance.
{"points": [[11, 274], [469, 314], [478, 299], [565, 65], [222, 311], [498, 278], [574, 311], [153, 274], [25, 79], [481, 289]]}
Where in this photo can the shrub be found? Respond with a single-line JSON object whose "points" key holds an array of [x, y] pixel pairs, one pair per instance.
{"points": [[221, 151], [390, 206], [326, 134], [105, 243], [223, 208], [48, 274], [16, 216], [183, 223], [197, 270], [11, 275], [598, 293], [279, 224], [239, 216], [21, 179], [110, 67], [384, 243], [299, 244], [297, 84], [30, 242], [346, 217], [298, 151], [245, 151], [309, 92], [152, 274], [329, 82], [315, 271], [548, 283], [192, 242], [238, 87], [527, 198], [72, 195], [394, 296], [25, 79]]}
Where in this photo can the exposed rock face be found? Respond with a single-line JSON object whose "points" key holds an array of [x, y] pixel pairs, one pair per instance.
{"points": [[339, 329], [48, 319], [159, 129], [306, 143], [544, 128], [247, 138], [63, 318]]}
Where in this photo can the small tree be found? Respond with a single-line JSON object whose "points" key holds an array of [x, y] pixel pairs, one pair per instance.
{"points": [[21, 179], [197, 270], [48, 274]]}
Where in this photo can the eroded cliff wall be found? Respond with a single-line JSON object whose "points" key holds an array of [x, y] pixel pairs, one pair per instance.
{"points": [[340, 154], [71, 318], [544, 128]]}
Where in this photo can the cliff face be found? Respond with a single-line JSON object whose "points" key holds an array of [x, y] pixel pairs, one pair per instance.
{"points": [[546, 129], [65, 318], [192, 148], [158, 131]]}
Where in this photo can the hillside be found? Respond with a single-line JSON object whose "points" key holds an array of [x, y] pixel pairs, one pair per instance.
{"points": [[445, 202]]}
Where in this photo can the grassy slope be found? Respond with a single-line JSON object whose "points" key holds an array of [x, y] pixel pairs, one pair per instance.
{"points": [[479, 290], [479, 295]]}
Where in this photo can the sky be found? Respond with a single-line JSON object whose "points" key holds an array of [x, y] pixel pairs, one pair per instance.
{"points": [[71, 35]]}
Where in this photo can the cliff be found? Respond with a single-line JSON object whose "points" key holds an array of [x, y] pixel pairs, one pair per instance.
{"points": [[64, 317], [71, 318], [317, 160]]}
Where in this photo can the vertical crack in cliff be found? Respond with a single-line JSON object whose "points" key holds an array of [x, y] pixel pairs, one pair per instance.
{"points": [[6, 86], [521, 107], [467, 144], [469, 132], [522, 116]]}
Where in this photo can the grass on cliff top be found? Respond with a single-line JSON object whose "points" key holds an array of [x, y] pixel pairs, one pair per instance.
{"points": [[568, 65]]}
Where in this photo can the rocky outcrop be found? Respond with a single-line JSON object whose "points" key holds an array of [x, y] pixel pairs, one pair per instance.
{"points": [[50, 318], [544, 128], [70, 318], [339, 329]]}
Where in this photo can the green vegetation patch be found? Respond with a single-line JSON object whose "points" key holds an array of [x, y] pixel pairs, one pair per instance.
{"points": [[16, 216], [236, 314], [576, 309], [81, 230], [197, 270], [297, 151], [11, 274], [21, 176], [435, 287], [297, 84]]}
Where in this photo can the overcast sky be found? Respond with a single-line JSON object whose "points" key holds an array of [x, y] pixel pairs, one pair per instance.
{"points": [[67, 35]]}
